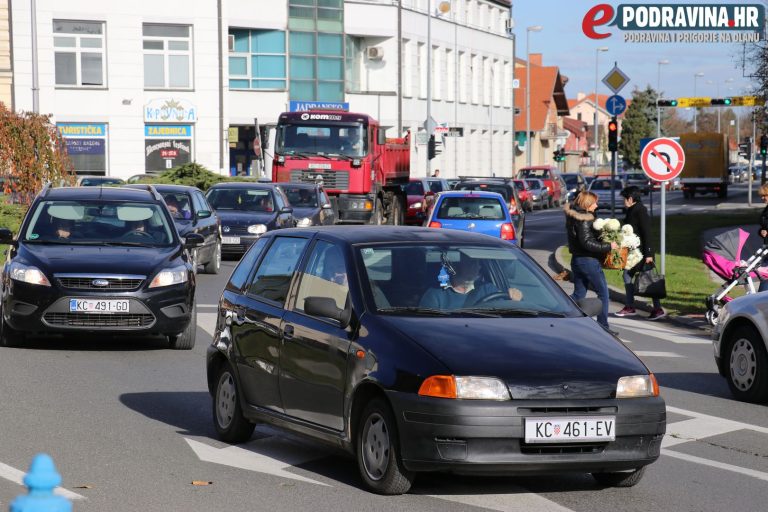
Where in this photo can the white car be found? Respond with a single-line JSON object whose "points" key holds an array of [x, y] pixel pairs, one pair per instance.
{"points": [[601, 186], [740, 338]]}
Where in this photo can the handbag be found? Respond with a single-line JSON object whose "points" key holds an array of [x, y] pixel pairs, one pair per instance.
{"points": [[649, 283]]}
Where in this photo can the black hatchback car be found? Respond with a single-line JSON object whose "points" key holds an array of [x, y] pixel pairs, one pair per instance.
{"points": [[98, 260], [310, 203], [418, 349], [247, 211]]}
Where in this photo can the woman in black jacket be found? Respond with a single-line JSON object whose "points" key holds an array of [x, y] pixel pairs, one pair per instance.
{"points": [[587, 252], [637, 217]]}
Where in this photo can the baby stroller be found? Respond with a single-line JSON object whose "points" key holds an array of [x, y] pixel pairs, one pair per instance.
{"points": [[723, 255]]}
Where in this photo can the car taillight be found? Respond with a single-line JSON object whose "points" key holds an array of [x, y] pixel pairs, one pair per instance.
{"points": [[507, 231], [512, 208], [435, 224]]}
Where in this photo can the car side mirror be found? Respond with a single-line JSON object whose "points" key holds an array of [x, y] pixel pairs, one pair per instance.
{"points": [[591, 306], [193, 240], [327, 206], [6, 236], [286, 209], [326, 307], [203, 214], [382, 137]]}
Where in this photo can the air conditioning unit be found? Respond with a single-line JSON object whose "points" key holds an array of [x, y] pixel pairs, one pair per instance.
{"points": [[375, 52], [231, 42], [509, 24]]}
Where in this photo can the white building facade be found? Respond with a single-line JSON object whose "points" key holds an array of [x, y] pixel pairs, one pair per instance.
{"points": [[144, 86]]}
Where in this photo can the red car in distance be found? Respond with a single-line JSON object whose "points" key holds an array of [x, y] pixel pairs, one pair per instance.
{"points": [[551, 178], [524, 194], [421, 192]]}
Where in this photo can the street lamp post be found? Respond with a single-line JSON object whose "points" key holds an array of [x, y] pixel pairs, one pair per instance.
{"points": [[528, 148], [597, 105], [695, 109]]}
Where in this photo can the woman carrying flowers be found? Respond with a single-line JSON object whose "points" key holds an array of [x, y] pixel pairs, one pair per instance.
{"points": [[637, 217], [587, 252]]}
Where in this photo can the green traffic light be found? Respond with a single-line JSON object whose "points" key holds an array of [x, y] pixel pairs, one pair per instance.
{"points": [[727, 101], [673, 103]]}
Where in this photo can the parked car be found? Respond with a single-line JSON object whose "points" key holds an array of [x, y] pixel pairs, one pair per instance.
{"points": [[525, 194], [310, 203], [574, 183], [601, 186], [247, 211], [478, 212], [421, 192], [366, 347], [548, 175], [106, 261], [136, 178], [98, 181], [639, 180], [191, 213], [539, 194], [741, 353]]}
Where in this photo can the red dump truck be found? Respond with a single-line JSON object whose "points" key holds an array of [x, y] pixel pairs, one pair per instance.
{"points": [[362, 171]]}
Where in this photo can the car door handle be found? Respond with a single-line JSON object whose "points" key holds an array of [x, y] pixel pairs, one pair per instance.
{"points": [[288, 332]]}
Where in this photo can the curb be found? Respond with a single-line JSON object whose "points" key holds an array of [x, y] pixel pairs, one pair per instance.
{"points": [[618, 295]]}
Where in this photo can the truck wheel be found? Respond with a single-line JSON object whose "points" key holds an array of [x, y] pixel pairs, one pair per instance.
{"points": [[377, 218], [396, 217]]}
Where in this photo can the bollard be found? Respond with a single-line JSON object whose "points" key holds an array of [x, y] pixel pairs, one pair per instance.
{"points": [[41, 480]]}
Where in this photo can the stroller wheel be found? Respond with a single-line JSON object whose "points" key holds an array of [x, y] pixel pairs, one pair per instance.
{"points": [[711, 317]]}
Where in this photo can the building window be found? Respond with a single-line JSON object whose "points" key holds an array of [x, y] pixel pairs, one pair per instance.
{"points": [[422, 69], [463, 76], [86, 146], [79, 53], [407, 63], [257, 59], [316, 66], [437, 74], [355, 50], [167, 56], [450, 75], [319, 15]]}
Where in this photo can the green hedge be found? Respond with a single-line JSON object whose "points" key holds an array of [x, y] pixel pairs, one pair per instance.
{"points": [[193, 175]]}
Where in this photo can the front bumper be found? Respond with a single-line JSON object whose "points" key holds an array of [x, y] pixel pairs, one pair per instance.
{"points": [[246, 241], [33, 309], [482, 437]]}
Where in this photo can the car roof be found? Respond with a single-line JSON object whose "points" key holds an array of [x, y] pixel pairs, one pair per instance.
{"points": [[470, 193], [169, 188], [245, 185], [105, 193], [360, 234], [308, 186]]}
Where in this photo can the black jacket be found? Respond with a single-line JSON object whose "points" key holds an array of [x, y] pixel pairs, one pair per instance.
{"points": [[637, 217], [582, 240], [763, 220]]}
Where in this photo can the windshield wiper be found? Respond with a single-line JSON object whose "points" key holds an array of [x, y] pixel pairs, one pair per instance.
{"points": [[343, 157], [415, 309], [295, 153], [126, 244], [517, 312]]}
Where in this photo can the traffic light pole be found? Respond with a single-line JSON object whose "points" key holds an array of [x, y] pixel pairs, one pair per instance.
{"points": [[752, 156], [613, 183]]}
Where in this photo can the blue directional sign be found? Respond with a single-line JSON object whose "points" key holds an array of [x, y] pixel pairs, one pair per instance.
{"points": [[616, 105]]}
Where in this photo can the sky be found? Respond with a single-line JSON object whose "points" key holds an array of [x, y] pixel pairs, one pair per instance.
{"points": [[563, 44]]}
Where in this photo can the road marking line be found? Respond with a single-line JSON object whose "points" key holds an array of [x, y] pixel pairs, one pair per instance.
{"points": [[660, 332], [208, 306], [720, 465], [16, 476], [207, 322], [651, 353]]}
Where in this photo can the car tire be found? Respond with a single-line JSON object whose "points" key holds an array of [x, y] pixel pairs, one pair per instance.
{"points": [[747, 365], [396, 212], [213, 266], [186, 339], [231, 425], [377, 450], [620, 479], [377, 217], [9, 337]]}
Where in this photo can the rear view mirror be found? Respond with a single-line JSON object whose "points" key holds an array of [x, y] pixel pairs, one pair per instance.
{"points": [[327, 206], [382, 136], [193, 240], [326, 307], [591, 306], [286, 209]]}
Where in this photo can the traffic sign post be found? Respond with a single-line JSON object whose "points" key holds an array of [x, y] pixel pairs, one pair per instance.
{"points": [[663, 160]]}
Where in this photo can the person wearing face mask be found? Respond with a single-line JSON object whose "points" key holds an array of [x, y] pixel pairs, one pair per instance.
{"points": [[587, 252]]}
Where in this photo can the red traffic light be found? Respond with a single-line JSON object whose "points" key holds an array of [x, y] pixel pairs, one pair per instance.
{"points": [[613, 126]]}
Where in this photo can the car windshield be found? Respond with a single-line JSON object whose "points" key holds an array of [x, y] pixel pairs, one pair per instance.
{"points": [[460, 279], [486, 187], [95, 182], [98, 222], [519, 184], [606, 185], [244, 199], [535, 184], [301, 196], [483, 208], [179, 204], [333, 139], [571, 181], [414, 188], [535, 173]]}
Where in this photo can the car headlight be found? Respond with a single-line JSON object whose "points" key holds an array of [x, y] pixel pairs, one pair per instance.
{"points": [[466, 388], [169, 276], [416, 205], [28, 274], [637, 386], [305, 222], [257, 229]]}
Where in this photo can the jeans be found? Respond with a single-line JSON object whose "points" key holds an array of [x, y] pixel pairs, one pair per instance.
{"points": [[587, 270], [629, 287]]}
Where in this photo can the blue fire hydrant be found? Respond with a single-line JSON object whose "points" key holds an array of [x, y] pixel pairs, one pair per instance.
{"points": [[41, 480]]}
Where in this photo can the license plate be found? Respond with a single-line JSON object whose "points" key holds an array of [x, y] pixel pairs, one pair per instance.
{"points": [[98, 306], [572, 429], [235, 240]]}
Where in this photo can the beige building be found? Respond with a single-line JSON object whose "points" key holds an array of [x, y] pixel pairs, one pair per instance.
{"points": [[6, 69]]}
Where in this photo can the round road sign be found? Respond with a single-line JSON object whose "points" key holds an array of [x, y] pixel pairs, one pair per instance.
{"points": [[662, 159]]}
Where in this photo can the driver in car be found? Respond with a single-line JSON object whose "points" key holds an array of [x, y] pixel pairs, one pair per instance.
{"points": [[461, 291]]}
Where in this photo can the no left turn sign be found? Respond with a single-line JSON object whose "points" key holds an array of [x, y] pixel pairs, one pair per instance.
{"points": [[662, 159]]}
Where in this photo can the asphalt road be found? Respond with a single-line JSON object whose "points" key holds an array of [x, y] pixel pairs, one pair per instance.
{"points": [[129, 426]]}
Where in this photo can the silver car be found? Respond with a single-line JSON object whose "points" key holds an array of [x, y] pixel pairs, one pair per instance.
{"points": [[741, 354], [601, 186], [539, 193]]}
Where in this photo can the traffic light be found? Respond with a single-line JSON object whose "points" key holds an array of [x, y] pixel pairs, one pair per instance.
{"points": [[764, 145], [666, 103], [432, 151], [613, 134], [720, 101], [559, 155]]}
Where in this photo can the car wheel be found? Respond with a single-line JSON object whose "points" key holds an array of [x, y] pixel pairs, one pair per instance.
{"points": [[747, 365], [228, 418], [377, 451], [186, 339], [213, 266], [9, 337], [620, 478]]}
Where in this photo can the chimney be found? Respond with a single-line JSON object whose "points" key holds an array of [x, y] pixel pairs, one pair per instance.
{"points": [[536, 59], [580, 96]]}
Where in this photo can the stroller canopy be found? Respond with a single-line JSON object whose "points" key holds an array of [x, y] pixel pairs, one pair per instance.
{"points": [[724, 252]]}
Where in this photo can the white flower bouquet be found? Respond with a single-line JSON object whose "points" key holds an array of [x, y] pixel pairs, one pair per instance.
{"points": [[611, 230]]}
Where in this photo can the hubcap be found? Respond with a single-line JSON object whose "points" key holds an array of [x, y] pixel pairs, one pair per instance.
{"points": [[375, 446], [218, 255], [225, 400], [743, 364]]}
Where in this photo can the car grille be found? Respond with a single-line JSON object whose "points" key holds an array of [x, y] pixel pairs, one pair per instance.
{"points": [[99, 320], [549, 449], [337, 180], [235, 230], [86, 283], [567, 410]]}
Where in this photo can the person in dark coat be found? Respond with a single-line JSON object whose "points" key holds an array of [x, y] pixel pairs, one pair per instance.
{"points": [[587, 252], [637, 217], [763, 232]]}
